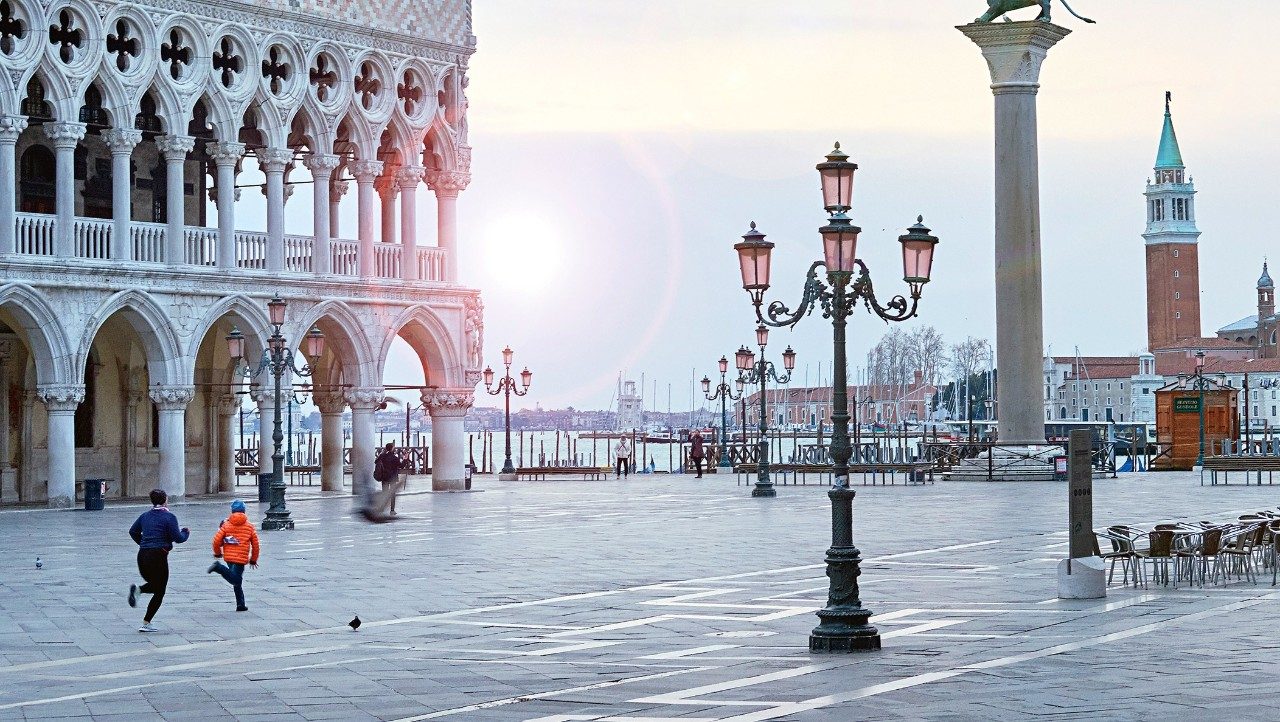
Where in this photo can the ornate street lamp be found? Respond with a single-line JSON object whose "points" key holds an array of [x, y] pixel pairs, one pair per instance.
{"points": [[276, 358], [844, 623], [759, 372], [1200, 386], [507, 387], [724, 392]]}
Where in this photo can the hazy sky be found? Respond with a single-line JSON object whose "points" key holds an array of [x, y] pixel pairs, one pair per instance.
{"points": [[621, 148]]}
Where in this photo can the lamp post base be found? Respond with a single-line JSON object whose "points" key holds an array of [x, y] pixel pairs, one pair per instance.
{"points": [[836, 636], [764, 490], [505, 476], [277, 521]]}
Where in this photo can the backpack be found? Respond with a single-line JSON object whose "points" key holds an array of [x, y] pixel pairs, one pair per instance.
{"points": [[381, 469]]}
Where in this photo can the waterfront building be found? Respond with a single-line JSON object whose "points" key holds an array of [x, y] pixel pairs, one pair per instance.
{"points": [[130, 134]]}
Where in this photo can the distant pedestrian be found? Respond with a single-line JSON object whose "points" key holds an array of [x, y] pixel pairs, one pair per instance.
{"points": [[622, 452], [155, 533], [695, 451], [236, 541], [386, 469]]}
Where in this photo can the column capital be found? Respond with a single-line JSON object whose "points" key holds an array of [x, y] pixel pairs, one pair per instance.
{"points": [[11, 126], [329, 402], [365, 399], [227, 404], [63, 134], [1014, 51], [224, 153], [62, 398], [448, 402], [338, 189], [122, 141], [321, 163], [387, 188], [366, 171], [171, 398], [448, 183], [175, 147], [409, 176], [274, 160]]}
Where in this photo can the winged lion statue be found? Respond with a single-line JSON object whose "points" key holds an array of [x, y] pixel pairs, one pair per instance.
{"points": [[996, 8]]}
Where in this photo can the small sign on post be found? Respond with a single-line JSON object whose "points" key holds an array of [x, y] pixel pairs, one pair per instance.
{"points": [[1081, 575]]}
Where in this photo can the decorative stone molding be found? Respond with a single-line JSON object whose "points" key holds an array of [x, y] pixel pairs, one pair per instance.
{"points": [[321, 163], [474, 326], [386, 187], [172, 398], [1015, 51], [224, 153], [366, 171], [61, 398], [175, 147], [64, 135], [226, 405], [409, 176], [448, 402], [11, 126], [448, 182], [338, 189], [366, 399], [122, 141], [274, 159], [329, 402]]}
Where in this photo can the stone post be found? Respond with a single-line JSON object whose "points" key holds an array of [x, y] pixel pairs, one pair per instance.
{"points": [[386, 187], [65, 137], [8, 477], [122, 141], [171, 404], [273, 161], [1014, 53], [409, 177], [365, 172], [11, 126], [225, 156], [61, 400], [448, 409], [175, 148], [447, 185], [321, 167], [363, 403], [330, 404]]}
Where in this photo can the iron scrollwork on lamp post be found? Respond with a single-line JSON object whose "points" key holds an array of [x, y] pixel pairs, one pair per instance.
{"points": [[724, 392], [276, 359], [752, 371], [844, 625], [507, 387]]}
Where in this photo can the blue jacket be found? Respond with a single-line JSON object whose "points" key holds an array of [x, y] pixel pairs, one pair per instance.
{"points": [[157, 529]]}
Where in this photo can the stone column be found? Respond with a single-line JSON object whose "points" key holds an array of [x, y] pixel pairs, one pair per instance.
{"points": [[386, 186], [321, 167], [122, 141], [448, 409], [447, 185], [61, 400], [227, 407], [363, 403], [1014, 53], [171, 405], [330, 404], [65, 137], [273, 161], [366, 172], [11, 126], [337, 189], [225, 156], [174, 148], [408, 177], [8, 477], [266, 425]]}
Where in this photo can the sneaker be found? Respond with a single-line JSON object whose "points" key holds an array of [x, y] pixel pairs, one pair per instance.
{"points": [[133, 595], [146, 627], [242, 609], [212, 568]]}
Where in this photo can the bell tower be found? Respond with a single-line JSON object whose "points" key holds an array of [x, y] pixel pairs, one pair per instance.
{"points": [[1172, 246]]}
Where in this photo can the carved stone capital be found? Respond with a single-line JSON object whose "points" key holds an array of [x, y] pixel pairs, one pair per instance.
{"points": [[1015, 51], [227, 405], [224, 153], [409, 176], [386, 187], [448, 402], [64, 135], [321, 164], [366, 171], [329, 402], [366, 399], [122, 141], [448, 182], [11, 126], [61, 398], [171, 398], [274, 160], [175, 147], [338, 189]]}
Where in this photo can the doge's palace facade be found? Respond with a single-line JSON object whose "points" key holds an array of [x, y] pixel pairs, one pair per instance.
{"points": [[129, 131]]}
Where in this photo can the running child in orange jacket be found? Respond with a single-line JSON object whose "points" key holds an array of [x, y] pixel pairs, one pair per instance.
{"points": [[237, 542]]}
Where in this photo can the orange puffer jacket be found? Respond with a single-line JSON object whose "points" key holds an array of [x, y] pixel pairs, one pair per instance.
{"points": [[236, 540]]}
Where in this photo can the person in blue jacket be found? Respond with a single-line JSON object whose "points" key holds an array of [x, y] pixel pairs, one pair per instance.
{"points": [[155, 533]]}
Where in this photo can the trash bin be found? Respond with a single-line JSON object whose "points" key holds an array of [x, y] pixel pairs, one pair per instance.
{"points": [[94, 492], [470, 469], [1060, 468], [264, 487]]}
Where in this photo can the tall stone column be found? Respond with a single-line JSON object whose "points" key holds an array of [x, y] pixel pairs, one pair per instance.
{"points": [[121, 142], [8, 477], [363, 403], [388, 192], [11, 126], [366, 172], [266, 400], [225, 156], [330, 404], [175, 148], [1014, 53], [171, 405], [447, 185], [60, 401], [408, 178], [448, 408], [321, 167], [273, 161], [337, 189], [65, 137], [226, 408]]}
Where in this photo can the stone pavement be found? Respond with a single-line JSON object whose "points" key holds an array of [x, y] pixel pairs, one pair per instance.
{"points": [[658, 598]]}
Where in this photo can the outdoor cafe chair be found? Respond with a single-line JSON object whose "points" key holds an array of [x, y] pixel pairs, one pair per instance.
{"points": [[1198, 556], [1238, 554], [1121, 551], [1159, 554]]}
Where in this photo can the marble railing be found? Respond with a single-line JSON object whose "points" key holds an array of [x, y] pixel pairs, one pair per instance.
{"points": [[36, 235]]}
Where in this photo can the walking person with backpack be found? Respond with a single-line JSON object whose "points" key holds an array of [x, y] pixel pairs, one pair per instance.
{"points": [[155, 533], [386, 469], [696, 451], [236, 541]]}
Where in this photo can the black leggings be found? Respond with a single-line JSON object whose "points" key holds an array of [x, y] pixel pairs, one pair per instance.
{"points": [[153, 564], [623, 467]]}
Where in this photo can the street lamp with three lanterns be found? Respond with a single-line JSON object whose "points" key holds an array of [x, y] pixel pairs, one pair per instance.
{"points": [[507, 387], [724, 392], [759, 372]]}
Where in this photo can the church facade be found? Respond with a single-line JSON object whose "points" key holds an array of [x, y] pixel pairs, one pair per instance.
{"points": [[129, 135]]}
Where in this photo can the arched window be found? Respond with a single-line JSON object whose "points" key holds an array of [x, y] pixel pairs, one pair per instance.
{"points": [[36, 174]]}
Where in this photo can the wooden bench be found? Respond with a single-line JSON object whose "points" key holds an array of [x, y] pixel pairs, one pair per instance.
{"points": [[542, 472], [1227, 464]]}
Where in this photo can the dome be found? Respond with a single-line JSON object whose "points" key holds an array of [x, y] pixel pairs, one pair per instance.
{"points": [[1265, 281]]}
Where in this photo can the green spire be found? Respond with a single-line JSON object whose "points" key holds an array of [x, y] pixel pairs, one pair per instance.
{"points": [[1169, 156]]}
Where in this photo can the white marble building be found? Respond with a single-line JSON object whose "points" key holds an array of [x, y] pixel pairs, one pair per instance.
{"points": [[129, 132]]}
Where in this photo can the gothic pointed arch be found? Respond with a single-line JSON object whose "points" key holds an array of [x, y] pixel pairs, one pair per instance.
{"points": [[44, 333], [345, 338], [166, 363], [256, 327]]}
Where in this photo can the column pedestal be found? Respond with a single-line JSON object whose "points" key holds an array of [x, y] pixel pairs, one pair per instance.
{"points": [[448, 409], [61, 402]]}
